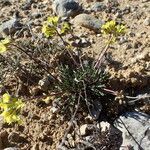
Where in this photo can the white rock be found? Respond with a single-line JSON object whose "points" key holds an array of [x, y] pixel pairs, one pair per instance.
{"points": [[53, 109], [83, 129], [147, 21], [138, 125], [104, 126]]}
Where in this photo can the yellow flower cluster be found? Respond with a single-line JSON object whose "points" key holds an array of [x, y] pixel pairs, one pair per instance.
{"points": [[50, 27], [11, 108], [112, 28]]}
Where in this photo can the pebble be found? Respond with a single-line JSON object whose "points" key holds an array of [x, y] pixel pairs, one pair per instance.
{"points": [[98, 6], [45, 83], [65, 8], [36, 15], [137, 44], [87, 129], [127, 10], [54, 109], [88, 21], [127, 46], [104, 126], [83, 129], [147, 21], [122, 40]]}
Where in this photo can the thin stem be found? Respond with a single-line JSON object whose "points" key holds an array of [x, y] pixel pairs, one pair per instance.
{"points": [[44, 65], [139, 146], [66, 44], [70, 124], [101, 54]]}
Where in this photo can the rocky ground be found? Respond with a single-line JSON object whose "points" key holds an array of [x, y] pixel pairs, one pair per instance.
{"points": [[127, 62]]}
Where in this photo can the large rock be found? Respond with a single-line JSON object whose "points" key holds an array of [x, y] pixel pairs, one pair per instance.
{"points": [[88, 21], [66, 8], [135, 127]]}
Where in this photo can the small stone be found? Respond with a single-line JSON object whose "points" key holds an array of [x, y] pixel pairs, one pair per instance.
{"points": [[88, 21], [118, 15], [36, 15], [147, 21], [66, 8], [132, 34], [127, 10], [45, 83], [104, 126], [122, 40], [98, 6], [87, 129], [54, 109], [137, 44], [83, 129], [27, 4], [127, 46]]}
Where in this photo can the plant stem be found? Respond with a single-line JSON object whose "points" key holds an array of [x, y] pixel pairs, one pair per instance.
{"points": [[101, 54], [44, 65], [66, 44], [70, 124]]}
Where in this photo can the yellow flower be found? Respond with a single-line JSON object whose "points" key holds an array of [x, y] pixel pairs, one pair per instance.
{"points": [[3, 44], [53, 20], [110, 27], [6, 98], [65, 27], [11, 108], [48, 31]]}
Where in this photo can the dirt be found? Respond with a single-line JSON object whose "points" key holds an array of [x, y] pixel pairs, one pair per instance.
{"points": [[128, 63]]}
